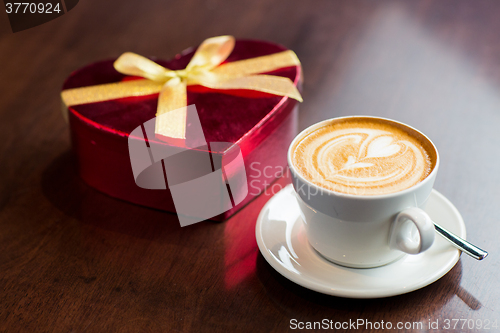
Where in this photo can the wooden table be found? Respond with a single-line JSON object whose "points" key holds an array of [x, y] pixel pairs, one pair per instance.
{"points": [[75, 260]]}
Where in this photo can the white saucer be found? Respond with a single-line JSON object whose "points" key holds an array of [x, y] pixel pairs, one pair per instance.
{"points": [[283, 242]]}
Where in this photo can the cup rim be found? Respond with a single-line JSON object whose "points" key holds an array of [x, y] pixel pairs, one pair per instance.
{"points": [[358, 196]]}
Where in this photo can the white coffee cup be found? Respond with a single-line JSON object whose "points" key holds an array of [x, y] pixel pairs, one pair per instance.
{"points": [[364, 231]]}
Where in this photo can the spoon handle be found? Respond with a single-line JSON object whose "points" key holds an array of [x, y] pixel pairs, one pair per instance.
{"points": [[461, 244]]}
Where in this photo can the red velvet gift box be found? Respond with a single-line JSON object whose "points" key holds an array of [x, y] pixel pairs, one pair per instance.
{"points": [[260, 124]]}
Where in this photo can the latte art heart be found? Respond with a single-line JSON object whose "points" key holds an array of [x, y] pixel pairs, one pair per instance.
{"points": [[362, 157]]}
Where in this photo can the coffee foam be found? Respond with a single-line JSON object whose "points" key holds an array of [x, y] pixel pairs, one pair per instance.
{"points": [[364, 157]]}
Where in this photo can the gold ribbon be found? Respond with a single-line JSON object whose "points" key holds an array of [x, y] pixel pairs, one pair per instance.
{"points": [[204, 69]]}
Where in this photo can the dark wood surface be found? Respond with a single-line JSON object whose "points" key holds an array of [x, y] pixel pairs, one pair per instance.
{"points": [[75, 260]]}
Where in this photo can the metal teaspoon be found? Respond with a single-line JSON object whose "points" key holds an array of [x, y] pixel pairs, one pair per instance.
{"points": [[461, 243]]}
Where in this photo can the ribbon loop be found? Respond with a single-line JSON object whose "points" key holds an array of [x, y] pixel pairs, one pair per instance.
{"points": [[136, 65], [212, 52]]}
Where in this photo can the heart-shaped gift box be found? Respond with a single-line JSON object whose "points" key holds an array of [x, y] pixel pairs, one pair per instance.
{"points": [[260, 124]]}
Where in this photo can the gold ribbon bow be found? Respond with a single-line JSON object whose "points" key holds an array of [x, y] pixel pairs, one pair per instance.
{"points": [[204, 69]]}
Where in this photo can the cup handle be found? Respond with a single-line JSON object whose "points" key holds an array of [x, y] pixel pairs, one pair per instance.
{"points": [[404, 238]]}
